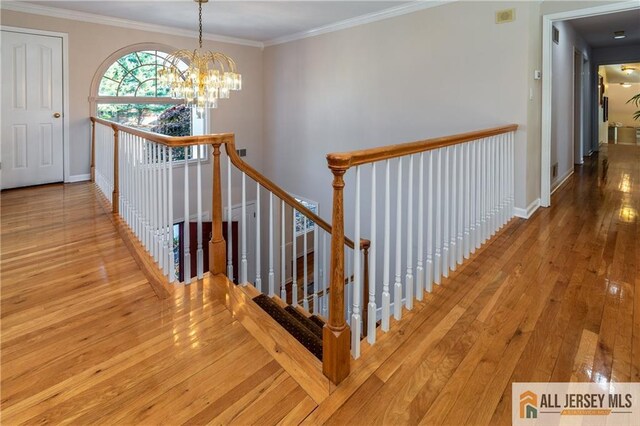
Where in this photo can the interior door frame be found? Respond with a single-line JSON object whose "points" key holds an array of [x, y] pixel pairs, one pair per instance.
{"points": [[66, 165], [547, 45]]}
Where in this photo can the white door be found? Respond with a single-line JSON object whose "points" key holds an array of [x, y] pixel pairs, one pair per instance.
{"points": [[236, 215], [31, 147]]}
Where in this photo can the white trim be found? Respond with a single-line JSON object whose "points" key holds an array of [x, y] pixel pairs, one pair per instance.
{"points": [[118, 22], [66, 159], [529, 211], [547, 45], [78, 178], [392, 12], [561, 181]]}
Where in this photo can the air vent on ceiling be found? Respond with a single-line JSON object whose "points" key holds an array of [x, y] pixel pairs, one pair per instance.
{"points": [[506, 15]]}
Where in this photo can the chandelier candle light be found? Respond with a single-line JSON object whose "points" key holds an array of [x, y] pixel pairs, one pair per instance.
{"points": [[209, 76]]}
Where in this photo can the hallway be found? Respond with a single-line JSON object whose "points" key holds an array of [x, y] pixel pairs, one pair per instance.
{"points": [[85, 339]]}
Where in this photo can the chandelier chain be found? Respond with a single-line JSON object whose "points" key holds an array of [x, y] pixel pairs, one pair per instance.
{"points": [[200, 22]]}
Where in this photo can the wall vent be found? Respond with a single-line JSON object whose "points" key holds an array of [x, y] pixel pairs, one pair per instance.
{"points": [[506, 15], [555, 33]]}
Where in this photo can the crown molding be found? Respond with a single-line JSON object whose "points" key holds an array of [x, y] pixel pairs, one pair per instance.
{"points": [[55, 12], [392, 12]]}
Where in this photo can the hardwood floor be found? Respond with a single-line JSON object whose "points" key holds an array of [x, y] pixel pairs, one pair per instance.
{"points": [[85, 339]]}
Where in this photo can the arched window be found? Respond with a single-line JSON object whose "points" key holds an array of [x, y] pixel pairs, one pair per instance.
{"points": [[126, 90]]}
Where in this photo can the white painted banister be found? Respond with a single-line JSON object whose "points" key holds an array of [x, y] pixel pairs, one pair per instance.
{"points": [[243, 233], [258, 282], [372, 308], [186, 267], [272, 248], [283, 255], [464, 187], [408, 284], [229, 224], [199, 249], [355, 313], [294, 260]]}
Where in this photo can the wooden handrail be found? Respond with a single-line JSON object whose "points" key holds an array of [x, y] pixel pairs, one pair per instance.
{"points": [[346, 160], [228, 140], [170, 141]]}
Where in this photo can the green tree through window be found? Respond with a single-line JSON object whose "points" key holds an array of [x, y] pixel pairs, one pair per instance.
{"points": [[129, 94]]}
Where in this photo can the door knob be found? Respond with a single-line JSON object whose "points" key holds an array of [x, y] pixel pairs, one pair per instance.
{"points": [[56, 115]]}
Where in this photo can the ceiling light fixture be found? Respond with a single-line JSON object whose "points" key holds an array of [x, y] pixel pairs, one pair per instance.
{"points": [[625, 84], [618, 34], [209, 76], [627, 69]]}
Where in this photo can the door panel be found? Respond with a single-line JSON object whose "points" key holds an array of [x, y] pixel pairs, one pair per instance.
{"points": [[31, 148]]}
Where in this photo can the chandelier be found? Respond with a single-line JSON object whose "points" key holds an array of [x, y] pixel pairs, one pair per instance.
{"points": [[209, 76]]}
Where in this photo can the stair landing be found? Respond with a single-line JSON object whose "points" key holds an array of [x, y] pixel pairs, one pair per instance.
{"points": [[86, 340]]}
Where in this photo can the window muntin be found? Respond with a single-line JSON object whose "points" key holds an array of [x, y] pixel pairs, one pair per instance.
{"points": [[303, 223], [129, 94]]}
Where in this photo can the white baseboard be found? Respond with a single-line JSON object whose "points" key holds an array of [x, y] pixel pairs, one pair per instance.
{"points": [[79, 178], [561, 181], [529, 211]]}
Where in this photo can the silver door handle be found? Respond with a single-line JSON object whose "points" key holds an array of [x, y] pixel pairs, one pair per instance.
{"points": [[56, 115]]}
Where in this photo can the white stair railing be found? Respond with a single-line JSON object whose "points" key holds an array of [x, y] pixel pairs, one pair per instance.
{"points": [[464, 192]]}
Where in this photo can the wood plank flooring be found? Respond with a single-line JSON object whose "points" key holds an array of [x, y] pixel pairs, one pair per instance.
{"points": [[85, 340]]}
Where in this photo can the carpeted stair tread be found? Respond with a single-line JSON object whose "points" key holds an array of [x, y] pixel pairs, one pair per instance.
{"points": [[308, 339], [310, 325], [316, 319]]}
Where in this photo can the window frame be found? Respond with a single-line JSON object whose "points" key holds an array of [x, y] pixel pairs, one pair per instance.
{"points": [[315, 209], [96, 99]]}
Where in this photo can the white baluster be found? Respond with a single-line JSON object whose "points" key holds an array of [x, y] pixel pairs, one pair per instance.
{"points": [[294, 257], [325, 283], [349, 286], [467, 199], [446, 207], [460, 204], [258, 278], [430, 220], [283, 275], [305, 283], [243, 244], [419, 263], [438, 208], [186, 266], [316, 268], [355, 315], [409, 275], [272, 248], [386, 297], [397, 288], [199, 250], [172, 260], [165, 212], [478, 193], [453, 207], [512, 181], [229, 224], [372, 309]]}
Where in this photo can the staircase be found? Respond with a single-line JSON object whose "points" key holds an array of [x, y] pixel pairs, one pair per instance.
{"points": [[305, 329], [450, 196]]}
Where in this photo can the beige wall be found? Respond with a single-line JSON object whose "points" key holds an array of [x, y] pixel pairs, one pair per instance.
{"points": [[619, 110], [90, 44], [402, 79]]}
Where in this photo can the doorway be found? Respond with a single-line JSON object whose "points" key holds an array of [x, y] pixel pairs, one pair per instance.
{"points": [[34, 126]]}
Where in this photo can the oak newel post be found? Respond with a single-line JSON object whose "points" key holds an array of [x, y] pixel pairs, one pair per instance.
{"points": [[217, 245], [115, 197], [336, 357]]}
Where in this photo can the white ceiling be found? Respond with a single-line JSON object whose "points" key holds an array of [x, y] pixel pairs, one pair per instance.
{"points": [[616, 76], [598, 31], [261, 21]]}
